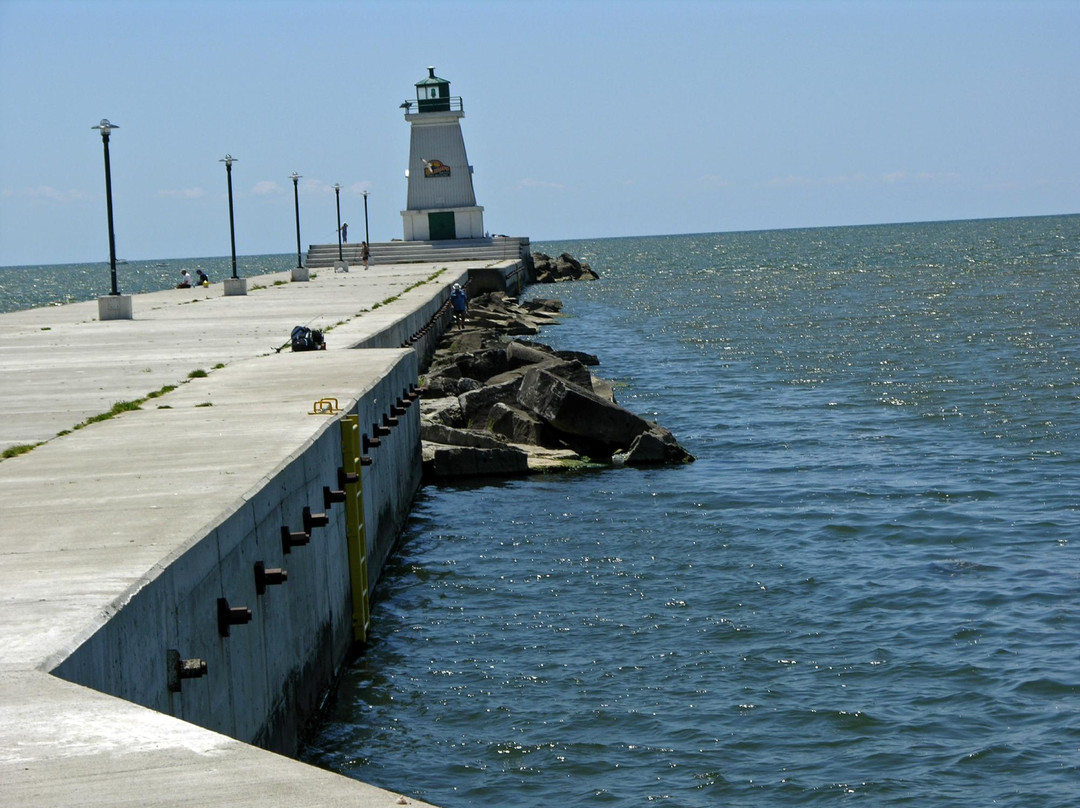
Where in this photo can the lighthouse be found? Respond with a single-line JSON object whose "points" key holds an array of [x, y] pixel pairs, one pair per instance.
{"points": [[441, 203]]}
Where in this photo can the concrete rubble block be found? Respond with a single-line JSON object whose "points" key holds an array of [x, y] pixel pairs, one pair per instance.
{"points": [[476, 404], [563, 268], [573, 372], [517, 425], [551, 363], [520, 327], [584, 358], [514, 326], [488, 319], [519, 354], [604, 389], [522, 353], [471, 339], [482, 365], [469, 461], [545, 305], [442, 386], [445, 410], [653, 447], [450, 436], [445, 367], [542, 318], [575, 411], [568, 267]]}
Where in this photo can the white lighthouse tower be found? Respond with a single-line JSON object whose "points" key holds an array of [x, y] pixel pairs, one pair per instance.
{"points": [[441, 203]]}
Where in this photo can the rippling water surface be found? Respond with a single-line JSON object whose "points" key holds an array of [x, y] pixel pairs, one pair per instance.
{"points": [[28, 287], [865, 589]]}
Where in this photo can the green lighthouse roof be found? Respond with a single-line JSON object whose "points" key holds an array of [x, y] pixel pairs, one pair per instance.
{"points": [[431, 79]]}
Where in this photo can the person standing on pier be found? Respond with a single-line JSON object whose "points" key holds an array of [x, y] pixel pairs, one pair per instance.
{"points": [[345, 232], [365, 253], [460, 303]]}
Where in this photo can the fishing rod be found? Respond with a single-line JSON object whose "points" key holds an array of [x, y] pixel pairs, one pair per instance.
{"points": [[288, 342]]}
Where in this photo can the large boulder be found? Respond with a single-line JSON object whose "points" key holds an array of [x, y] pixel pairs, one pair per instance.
{"points": [[445, 410], [483, 364], [563, 268], [523, 352], [520, 353], [517, 425], [439, 386], [452, 436], [653, 447], [467, 461], [572, 371], [584, 358], [471, 339], [476, 404], [578, 412], [604, 389], [543, 305]]}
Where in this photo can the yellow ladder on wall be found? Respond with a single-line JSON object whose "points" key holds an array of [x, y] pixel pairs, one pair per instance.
{"points": [[355, 532]]}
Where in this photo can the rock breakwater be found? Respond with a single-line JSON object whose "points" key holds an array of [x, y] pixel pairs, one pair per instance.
{"points": [[564, 268], [498, 403]]}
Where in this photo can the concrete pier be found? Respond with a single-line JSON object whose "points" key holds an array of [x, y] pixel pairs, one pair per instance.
{"points": [[144, 657]]}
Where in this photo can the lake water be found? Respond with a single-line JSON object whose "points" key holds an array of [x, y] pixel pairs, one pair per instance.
{"points": [[26, 287], [865, 590]]}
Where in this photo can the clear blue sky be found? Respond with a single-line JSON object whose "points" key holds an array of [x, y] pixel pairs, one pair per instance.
{"points": [[583, 119]]}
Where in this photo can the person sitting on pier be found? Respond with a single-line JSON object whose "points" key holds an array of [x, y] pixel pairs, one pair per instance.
{"points": [[185, 280], [204, 280]]}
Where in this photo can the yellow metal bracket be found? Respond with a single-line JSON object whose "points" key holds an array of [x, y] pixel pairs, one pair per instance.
{"points": [[325, 406]]}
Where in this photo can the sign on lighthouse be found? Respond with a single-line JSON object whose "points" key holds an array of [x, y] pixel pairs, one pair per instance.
{"points": [[441, 203]]}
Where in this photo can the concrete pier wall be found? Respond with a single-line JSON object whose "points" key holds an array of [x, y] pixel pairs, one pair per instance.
{"points": [[507, 276], [265, 678]]}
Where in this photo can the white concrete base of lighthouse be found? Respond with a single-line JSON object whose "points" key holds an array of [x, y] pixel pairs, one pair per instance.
{"points": [[468, 223]]}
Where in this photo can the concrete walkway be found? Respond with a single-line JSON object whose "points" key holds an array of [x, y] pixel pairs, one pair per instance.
{"points": [[88, 515], [60, 365]]}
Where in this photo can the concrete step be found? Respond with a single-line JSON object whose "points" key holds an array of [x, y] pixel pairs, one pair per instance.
{"points": [[407, 252]]}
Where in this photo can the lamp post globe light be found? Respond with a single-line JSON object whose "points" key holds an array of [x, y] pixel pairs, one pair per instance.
{"points": [[228, 160], [296, 204], [115, 306], [233, 285], [339, 265], [299, 273], [337, 199], [367, 235]]}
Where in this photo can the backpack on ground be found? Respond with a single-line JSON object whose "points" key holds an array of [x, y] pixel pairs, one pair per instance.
{"points": [[307, 339]]}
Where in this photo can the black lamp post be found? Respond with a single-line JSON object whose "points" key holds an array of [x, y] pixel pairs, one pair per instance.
{"points": [[337, 195], [296, 202], [228, 160], [105, 127], [367, 237]]}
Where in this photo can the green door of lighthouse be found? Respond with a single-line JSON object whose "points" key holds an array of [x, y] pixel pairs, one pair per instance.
{"points": [[441, 226]]}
